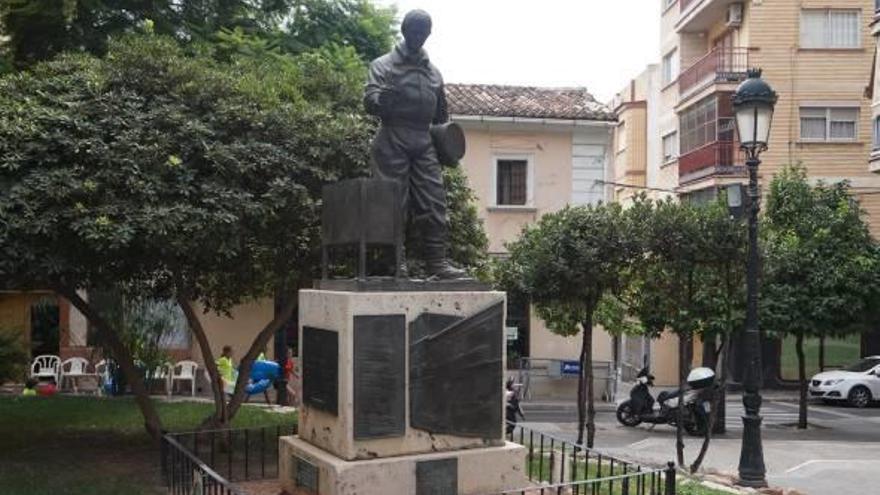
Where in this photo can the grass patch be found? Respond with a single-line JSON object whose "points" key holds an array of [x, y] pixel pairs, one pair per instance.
{"points": [[86, 445], [838, 353], [539, 470]]}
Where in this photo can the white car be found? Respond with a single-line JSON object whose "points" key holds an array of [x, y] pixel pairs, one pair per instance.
{"points": [[858, 384]]}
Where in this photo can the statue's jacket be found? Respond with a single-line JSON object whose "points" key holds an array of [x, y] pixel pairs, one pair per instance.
{"points": [[420, 99]]}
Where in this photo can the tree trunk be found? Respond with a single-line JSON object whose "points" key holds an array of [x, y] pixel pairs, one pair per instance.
{"points": [[590, 389], [802, 383], [123, 357], [582, 392], [682, 378], [219, 419], [244, 369], [822, 353], [720, 363]]}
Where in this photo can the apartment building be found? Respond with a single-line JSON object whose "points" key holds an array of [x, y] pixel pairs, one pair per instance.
{"points": [[873, 93], [816, 54]]}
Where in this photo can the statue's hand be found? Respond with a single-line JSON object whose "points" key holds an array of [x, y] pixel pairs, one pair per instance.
{"points": [[387, 98]]}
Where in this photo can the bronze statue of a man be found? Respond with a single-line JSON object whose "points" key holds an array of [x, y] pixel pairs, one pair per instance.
{"points": [[406, 92]]}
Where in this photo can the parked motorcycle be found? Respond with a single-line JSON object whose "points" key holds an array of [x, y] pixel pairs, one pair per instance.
{"points": [[640, 408]]}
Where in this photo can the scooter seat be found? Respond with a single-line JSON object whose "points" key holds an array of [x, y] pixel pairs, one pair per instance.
{"points": [[666, 395]]}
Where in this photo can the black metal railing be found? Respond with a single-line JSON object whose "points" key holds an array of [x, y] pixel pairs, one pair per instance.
{"points": [[241, 454], [554, 465], [184, 473]]}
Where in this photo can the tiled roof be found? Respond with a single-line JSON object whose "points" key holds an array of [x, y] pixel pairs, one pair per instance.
{"points": [[525, 101]]}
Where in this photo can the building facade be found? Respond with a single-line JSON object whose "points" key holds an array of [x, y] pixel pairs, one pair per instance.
{"points": [[532, 151], [873, 92], [816, 54]]}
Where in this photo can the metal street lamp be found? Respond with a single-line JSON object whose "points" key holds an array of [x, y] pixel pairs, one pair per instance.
{"points": [[753, 105]]}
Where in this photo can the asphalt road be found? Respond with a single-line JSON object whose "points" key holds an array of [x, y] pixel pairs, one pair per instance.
{"points": [[839, 454]]}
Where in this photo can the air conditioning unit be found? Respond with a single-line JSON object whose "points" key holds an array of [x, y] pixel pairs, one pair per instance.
{"points": [[734, 15]]}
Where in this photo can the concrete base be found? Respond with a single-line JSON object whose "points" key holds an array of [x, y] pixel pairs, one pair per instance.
{"points": [[480, 471], [335, 311]]}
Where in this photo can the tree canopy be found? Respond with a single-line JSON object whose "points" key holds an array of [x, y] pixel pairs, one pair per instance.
{"points": [[167, 171], [40, 29], [151, 165], [566, 263], [820, 263]]}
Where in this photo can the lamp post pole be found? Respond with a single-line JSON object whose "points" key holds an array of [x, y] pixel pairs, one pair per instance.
{"points": [[753, 105], [752, 472]]}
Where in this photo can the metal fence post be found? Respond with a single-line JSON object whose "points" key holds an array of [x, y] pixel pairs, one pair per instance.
{"points": [[670, 479]]}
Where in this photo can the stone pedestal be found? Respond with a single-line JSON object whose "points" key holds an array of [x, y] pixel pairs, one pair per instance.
{"points": [[402, 393], [465, 472]]}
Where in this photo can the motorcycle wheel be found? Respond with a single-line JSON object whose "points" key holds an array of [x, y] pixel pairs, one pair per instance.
{"points": [[627, 416]]}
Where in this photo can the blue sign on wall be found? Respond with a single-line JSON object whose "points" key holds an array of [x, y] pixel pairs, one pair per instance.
{"points": [[571, 368]]}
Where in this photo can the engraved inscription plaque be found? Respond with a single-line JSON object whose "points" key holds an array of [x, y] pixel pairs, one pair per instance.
{"points": [[306, 475], [379, 376], [320, 362], [438, 477], [456, 374]]}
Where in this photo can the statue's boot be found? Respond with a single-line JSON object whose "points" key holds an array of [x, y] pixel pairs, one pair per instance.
{"points": [[438, 265]]}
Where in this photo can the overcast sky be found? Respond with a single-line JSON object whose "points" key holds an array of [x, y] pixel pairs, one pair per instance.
{"points": [[599, 44]]}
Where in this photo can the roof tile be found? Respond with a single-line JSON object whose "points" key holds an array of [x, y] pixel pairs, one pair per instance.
{"points": [[525, 101]]}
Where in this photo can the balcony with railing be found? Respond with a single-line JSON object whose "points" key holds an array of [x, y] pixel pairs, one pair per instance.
{"points": [[701, 15], [721, 65], [718, 158], [708, 141]]}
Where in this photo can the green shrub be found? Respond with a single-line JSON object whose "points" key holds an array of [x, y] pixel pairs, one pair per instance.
{"points": [[13, 356]]}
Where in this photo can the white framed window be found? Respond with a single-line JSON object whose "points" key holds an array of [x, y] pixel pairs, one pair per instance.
{"points": [[512, 179], [621, 136], [670, 147], [670, 67], [876, 142], [831, 28], [829, 123]]}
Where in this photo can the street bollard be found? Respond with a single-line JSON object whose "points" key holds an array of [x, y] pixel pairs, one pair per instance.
{"points": [[670, 479]]}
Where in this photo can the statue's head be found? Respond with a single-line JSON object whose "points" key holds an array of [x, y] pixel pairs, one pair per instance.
{"points": [[416, 28]]}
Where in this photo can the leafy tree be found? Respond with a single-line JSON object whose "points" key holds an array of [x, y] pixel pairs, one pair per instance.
{"points": [[566, 264], [41, 29], [820, 264], [165, 175], [359, 24], [688, 282]]}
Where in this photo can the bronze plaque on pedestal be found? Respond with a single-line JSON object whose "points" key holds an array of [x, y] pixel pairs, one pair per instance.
{"points": [[379, 376], [320, 362], [438, 477]]}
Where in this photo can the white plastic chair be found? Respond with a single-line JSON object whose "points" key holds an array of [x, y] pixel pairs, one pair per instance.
{"points": [[182, 371], [46, 366], [73, 369], [163, 373]]}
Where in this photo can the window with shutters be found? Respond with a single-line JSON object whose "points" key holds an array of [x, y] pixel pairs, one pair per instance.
{"points": [[829, 124], [512, 177], [831, 28]]}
